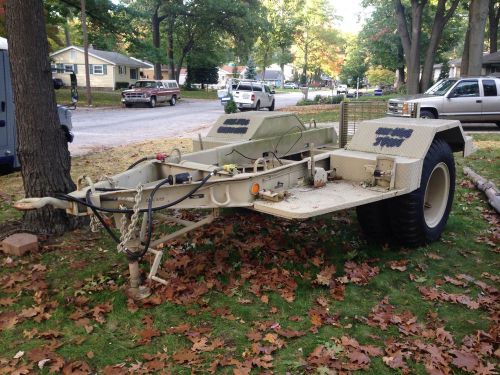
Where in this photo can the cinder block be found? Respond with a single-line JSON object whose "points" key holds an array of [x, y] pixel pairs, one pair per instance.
{"points": [[19, 244]]}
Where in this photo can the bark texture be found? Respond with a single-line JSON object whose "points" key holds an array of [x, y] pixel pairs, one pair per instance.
{"points": [[42, 146], [494, 18], [440, 20], [155, 28], [472, 58], [410, 39]]}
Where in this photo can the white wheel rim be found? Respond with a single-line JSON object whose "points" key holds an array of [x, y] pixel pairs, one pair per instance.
{"points": [[436, 195]]}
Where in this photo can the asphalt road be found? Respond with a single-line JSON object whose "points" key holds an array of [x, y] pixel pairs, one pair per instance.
{"points": [[98, 128], [95, 129]]}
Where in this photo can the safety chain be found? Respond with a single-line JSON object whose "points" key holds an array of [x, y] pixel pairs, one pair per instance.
{"points": [[126, 233]]}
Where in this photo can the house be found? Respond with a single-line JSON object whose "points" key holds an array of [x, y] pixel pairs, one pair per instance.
{"points": [[109, 70], [227, 72], [491, 64], [271, 77], [149, 71]]}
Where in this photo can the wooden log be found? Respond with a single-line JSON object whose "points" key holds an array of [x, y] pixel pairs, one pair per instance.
{"points": [[486, 186]]}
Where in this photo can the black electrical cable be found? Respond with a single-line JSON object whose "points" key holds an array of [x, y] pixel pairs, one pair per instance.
{"points": [[234, 150], [149, 210], [136, 162]]}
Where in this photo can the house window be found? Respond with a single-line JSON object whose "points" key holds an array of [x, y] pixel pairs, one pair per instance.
{"points": [[122, 70], [68, 68], [98, 69], [133, 73]]}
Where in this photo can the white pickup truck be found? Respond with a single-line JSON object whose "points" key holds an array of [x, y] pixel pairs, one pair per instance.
{"points": [[470, 99], [251, 95]]}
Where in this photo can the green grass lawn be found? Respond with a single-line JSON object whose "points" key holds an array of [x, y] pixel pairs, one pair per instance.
{"points": [[199, 94], [99, 98], [253, 291]]}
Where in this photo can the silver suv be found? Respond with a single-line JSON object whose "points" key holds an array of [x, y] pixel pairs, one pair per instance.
{"points": [[470, 99]]}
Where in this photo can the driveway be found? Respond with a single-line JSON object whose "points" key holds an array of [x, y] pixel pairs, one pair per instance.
{"points": [[97, 128]]}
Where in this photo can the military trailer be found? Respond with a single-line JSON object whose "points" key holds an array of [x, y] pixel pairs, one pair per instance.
{"points": [[399, 174]]}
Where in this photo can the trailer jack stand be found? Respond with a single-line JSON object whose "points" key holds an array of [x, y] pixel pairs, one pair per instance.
{"points": [[136, 290]]}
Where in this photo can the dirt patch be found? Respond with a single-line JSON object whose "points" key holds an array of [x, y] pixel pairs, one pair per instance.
{"points": [[487, 144]]}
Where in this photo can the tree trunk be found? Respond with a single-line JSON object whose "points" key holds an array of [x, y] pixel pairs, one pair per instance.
{"points": [[282, 67], [440, 21], [155, 28], [464, 65], [88, 91], [494, 18], [67, 36], [42, 147], [411, 41], [304, 68], [477, 23], [170, 51]]}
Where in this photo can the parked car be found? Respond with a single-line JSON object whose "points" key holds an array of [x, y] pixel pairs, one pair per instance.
{"points": [[291, 85], [378, 92], [152, 92], [342, 89], [253, 95], [471, 99]]}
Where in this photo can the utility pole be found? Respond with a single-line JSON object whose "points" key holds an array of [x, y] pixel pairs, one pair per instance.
{"points": [[86, 54]]}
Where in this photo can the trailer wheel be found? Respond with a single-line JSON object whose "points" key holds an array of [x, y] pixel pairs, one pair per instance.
{"points": [[420, 216], [374, 220]]}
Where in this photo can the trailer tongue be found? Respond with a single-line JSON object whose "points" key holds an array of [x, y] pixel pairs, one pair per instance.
{"points": [[272, 163]]}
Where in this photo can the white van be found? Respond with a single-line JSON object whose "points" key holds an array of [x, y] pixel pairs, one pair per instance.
{"points": [[8, 153]]}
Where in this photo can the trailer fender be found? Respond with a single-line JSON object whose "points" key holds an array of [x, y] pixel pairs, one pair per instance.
{"points": [[408, 137], [407, 141]]}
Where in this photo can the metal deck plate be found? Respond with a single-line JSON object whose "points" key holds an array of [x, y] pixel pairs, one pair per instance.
{"points": [[305, 201]]}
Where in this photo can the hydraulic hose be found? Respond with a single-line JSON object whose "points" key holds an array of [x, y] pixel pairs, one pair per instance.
{"points": [[149, 210]]}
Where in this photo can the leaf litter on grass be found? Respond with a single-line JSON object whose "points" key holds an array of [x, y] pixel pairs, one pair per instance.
{"points": [[249, 292]]}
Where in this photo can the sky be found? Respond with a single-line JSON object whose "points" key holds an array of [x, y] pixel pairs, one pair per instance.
{"points": [[352, 12]]}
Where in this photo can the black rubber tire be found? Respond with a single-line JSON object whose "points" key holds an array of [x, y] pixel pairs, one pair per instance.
{"points": [[407, 212], [498, 123], [128, 105], [374, 221], [257, 106], [173, 100], [271, 108], [427, 114], [152, 102]]}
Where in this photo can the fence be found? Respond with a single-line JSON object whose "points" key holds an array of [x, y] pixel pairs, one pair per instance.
{"points": [[352, 113]]}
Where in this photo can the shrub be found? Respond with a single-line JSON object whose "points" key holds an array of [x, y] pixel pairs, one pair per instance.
{"points": [[121, 85], [306, 102], [318, 99], [230, 107]]}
